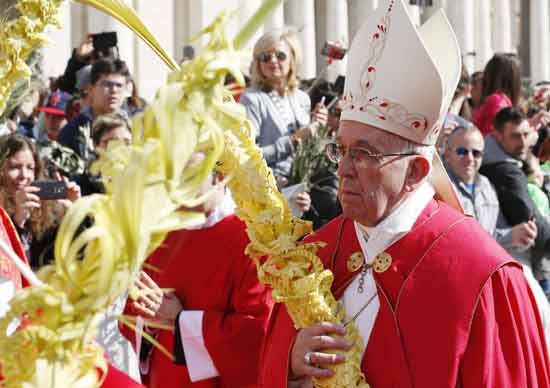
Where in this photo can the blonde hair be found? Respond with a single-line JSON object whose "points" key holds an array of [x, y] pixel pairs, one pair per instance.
{"points": [[266, 42]]}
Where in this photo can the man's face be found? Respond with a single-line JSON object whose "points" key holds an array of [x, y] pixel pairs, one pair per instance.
{"points": [[464, 154], [53, 124], [107, 94], [368, 193], [514, 139]]}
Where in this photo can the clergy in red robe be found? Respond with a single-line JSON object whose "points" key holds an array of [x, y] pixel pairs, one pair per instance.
{"points": [[435, 299], [11, 281], [118, 379], [219, 308], [10, 277]]}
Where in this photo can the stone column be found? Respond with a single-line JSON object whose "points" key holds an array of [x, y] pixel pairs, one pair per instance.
{"points": [[483, 47], [516, 25], [149, 70], [200, 13], [301, 14], [79, 23], [101, 22], [336, 20], [414, 13], [247, 8], [502, 26], [539, 39], [461, 16], [428, 12], [56, 55], [276, 20], [358, 12]]}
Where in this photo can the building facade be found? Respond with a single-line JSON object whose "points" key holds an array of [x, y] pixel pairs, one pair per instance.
{"points": [[483, 27]]}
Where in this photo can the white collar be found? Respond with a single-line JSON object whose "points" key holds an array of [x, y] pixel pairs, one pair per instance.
{"points": [[224, 209], [375, 240]]}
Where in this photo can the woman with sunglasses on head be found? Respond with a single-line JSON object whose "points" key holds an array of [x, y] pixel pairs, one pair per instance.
{"points": [[280, 113]]}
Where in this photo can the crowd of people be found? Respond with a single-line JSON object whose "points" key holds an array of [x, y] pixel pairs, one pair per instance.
{"points": [[494, 141]]}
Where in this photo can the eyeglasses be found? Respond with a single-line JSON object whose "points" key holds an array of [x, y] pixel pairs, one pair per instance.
{"points": [[462, 152], [106, 84], [361, 157], [266, 56]]}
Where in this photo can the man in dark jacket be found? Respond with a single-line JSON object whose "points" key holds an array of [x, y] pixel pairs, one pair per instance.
{"points": [[108, 82], [505, 151]]}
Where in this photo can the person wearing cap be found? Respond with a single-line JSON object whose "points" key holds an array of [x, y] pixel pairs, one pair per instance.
{"points": [[55, 115], [437, 302]]}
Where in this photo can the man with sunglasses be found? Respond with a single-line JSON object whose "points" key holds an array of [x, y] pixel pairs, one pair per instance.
{"points": [[436, 301], [463, 156]]}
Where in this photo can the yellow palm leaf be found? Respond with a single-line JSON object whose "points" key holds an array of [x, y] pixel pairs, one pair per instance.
{"points": [[128, 16]]}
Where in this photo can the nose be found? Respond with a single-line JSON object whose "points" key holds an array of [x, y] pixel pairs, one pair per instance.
{"points": [[273, 58], [27, 173], [469, 157]]}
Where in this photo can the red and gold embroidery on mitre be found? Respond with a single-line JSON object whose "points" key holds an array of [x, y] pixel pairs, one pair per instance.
{"points": [[380, 107]]}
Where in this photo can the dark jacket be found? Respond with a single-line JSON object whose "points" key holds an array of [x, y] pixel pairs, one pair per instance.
{"points": [[67, 82], [510, 182], [324, 199], [76, 134]]}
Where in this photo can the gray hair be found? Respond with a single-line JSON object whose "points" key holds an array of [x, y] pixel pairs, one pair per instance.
{"points": [[399, 144]]}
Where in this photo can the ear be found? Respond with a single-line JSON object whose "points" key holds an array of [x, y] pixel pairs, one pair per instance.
{"points": [[90, 89], [419, 168], [447, 153], [497, 135]]}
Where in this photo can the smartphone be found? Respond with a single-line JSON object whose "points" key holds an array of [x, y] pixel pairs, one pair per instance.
{"points": [[51, 189], [104, 41]]}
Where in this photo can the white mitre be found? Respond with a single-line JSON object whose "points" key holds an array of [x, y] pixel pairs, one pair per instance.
{"points": [[401, 79]]}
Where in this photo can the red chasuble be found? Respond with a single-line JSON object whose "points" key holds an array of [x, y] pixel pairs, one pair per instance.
{"points": [[455, 310], [118, 379], [10, 236], [210, 272]]}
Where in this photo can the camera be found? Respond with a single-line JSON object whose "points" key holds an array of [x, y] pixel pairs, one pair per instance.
{"points": [[334, 50], [105, 45], [51, 189]]}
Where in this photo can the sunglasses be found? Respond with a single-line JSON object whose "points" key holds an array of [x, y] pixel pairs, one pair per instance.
{"points": [[462, 152], [266, 56]]}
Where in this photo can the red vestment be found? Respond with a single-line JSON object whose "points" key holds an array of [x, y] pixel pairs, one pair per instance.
{"points": [[210, 272], [455, 310], [10, 236], [118, 379]]}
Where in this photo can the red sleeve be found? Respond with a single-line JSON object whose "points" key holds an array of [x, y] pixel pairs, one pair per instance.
{"points": [[235, 338], [118, 379], [14, 240], [155, 262], [506, 347]]}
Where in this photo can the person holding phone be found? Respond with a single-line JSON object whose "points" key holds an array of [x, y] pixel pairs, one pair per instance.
{"points": [[279, 111], [36, 219]]}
